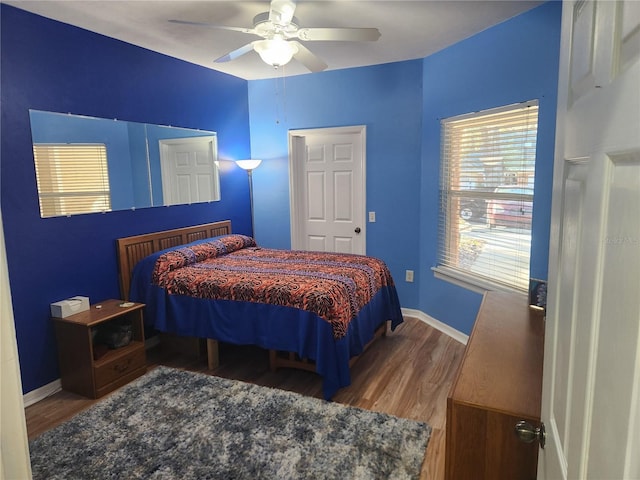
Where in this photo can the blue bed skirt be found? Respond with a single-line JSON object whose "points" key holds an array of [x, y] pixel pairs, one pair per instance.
{"points": [[271, 327]]}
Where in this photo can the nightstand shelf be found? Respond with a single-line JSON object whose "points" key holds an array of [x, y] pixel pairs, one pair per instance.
{"points": [[81, 372]]}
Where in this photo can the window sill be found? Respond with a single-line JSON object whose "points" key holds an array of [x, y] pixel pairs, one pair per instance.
{"points": [[470, 282]]}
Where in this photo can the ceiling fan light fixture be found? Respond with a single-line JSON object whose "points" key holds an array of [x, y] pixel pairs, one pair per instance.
{"points": [[248, 164], [276, 51]]}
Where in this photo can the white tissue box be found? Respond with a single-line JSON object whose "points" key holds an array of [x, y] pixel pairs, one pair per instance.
{"points": [[70, 306]]}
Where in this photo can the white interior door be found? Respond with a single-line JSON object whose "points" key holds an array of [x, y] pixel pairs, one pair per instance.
{"points": [[14, 454], [189, 172], [328, 189], [591, 387]]}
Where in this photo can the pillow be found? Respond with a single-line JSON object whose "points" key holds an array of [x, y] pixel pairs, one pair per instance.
{"points": [[197, 252]]}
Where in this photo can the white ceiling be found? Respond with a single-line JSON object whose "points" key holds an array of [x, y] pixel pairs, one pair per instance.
{"points": [[410, 29]]}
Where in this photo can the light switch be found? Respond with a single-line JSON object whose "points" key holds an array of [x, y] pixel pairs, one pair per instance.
{"points": [[372, 217]]}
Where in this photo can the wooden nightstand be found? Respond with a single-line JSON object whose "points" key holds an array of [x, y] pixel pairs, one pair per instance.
{"points": [[83, 374]]}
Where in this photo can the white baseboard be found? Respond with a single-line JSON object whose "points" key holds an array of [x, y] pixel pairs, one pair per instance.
{"points": [[49, 389], [437, 324], [41, 393]]}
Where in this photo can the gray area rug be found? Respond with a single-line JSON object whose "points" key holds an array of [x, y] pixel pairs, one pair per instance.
{"points": [[173, 424]]}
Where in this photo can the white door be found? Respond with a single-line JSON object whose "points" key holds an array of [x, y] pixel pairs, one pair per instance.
{"points": [[14, 454], [328, 189], [189, 172], [591, 386]]}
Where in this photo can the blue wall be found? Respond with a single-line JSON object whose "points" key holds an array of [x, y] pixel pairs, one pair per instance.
{"points": [[47, 65], [401, 104], [385, 98], [50, 66], [512, 62]]}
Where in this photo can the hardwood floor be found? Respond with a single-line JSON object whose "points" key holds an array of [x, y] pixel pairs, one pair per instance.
{"points": [[408, 373]]}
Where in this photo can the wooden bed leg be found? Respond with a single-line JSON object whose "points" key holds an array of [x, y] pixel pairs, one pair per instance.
{"points": [[212, 353]]}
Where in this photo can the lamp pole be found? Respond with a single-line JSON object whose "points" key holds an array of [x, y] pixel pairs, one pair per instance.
{"points": [[250, 174], [249, 166]]}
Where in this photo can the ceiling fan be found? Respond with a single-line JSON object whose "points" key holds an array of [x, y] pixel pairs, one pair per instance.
{"points": [[280, 29]]}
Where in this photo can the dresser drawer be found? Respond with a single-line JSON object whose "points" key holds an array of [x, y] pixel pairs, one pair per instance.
{"points": [[119, 366]]}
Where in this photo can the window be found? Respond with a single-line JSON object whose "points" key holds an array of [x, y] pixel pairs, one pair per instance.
{"points": [[486, 197], [72, 178]]}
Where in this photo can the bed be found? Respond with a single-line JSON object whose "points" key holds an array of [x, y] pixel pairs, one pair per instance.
{"points": [[310, 310]]}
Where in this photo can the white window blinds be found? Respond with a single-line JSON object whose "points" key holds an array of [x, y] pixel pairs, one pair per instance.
{"points": [[486, 195], [72, 178]]}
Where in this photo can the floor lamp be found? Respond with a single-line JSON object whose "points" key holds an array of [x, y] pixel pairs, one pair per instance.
{"points": [[250, 166]]}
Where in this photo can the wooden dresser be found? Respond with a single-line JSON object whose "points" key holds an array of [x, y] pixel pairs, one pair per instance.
{"points": [[498, 384]]}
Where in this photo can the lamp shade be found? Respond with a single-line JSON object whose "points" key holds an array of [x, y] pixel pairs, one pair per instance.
{"points": [[248, 164], [276, 51]]}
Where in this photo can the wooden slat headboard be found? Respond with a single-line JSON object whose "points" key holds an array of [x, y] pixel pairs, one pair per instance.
{"points": [[133, 249]]}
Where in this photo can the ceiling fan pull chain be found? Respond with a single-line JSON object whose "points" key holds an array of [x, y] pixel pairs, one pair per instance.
{"points": [[277, 102], [284, 94]]}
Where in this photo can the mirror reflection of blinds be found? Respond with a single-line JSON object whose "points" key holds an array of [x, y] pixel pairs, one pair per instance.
{"points": [[72, 178], [488, 162]]}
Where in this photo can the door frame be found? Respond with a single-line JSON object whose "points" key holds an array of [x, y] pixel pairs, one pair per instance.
{"points": [[297, 142]]}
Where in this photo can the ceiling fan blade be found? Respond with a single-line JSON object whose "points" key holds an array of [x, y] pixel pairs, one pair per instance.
{"points": [[308, 59], [235, 53], [218, 27], [281, 11], [339, 34]]}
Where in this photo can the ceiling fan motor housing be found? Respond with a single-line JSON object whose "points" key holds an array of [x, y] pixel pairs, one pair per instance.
{"points": [[266, 28]]}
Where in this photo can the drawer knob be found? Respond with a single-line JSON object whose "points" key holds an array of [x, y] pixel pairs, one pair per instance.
{"points": [[122, 367], [527, 433]]}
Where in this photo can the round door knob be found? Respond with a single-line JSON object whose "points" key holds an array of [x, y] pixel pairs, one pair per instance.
{"points": [[528, 433], [357, 230]]}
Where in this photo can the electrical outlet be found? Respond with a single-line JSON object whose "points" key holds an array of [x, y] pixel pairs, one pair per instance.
{"points": [[372, 217], [409, 276]]}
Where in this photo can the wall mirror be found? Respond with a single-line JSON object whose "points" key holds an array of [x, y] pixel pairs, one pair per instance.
{"points": [[87, 164]]}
